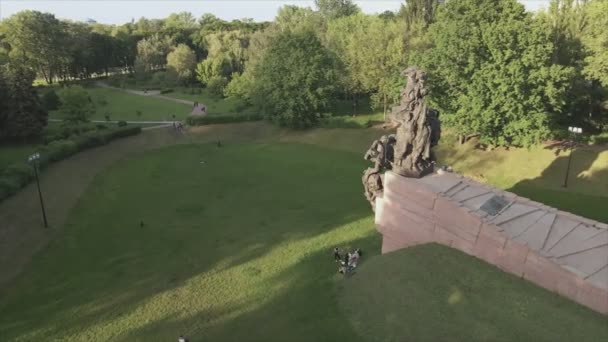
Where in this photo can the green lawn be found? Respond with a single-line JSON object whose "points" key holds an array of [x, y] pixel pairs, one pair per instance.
{"points": [[215, 105], [435, 293], [124, 106], [11, 153], [538, 173], [236, 245]]}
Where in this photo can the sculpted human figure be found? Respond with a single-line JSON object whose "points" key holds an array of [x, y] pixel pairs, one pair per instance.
{"points": [[409, 153], [412, 150], [381, 153]]}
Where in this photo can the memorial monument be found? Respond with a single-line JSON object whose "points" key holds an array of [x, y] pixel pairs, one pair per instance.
{"points": [[556, 250], [409, 152]]}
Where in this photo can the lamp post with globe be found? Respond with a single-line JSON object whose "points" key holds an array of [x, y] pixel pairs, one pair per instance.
{"points": [[34, 160]]}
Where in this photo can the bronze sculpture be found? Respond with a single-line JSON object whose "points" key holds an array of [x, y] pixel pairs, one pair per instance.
{"points": [[381, 153], [418, 129]]}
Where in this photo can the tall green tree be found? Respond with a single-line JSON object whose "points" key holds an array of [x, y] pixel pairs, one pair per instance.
{"points": [[38, 41], [595, 38], [491, 72], [372, 52], [182, 61], [212, 68], [76, 104], [21, 114], [295, 80], [595, 41], [332, 9], [152, 52]]}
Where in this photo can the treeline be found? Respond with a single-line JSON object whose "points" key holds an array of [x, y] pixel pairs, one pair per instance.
{"points": [[510, 76]]}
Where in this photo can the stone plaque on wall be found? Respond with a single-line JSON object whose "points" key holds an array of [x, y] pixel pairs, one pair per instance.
{"points": [[494, 205]]}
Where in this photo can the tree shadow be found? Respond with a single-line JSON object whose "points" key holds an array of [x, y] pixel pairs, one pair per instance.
{"points": [[140, 267], [305, 309], [587, 182]]}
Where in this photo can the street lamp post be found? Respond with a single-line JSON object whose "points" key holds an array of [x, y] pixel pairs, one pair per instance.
{"points": [[33, 160], [574, 131]]}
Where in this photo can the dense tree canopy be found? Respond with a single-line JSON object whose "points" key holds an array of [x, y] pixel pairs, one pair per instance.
{"points": [[182, 61], [295, 80], [21, 114], [510, 76], [495, 78]]}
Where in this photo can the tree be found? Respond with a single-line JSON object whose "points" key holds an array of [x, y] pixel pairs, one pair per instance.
{"points": [[76, 104], [182, 61], [152, 52], [38, 41], [491, 72], [566, 21], [415, 12], [212, 68], [21, 114], [595, 39], [332, 9], [50, 100], [179, 27], [231, 45], [372, 53], [295, 80]]}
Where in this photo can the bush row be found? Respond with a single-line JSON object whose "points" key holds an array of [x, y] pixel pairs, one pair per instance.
{"points": [[65, 131], [220, 119], [18, 175]]}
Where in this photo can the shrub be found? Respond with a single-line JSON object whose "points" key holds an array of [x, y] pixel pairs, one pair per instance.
{"points": [[209, 120], [100, 126], [50, 100], [216, 86], [121, 123], [599, 139], [122, 132], [20, 172], [8, 187], [60, 149], [166, 90]]}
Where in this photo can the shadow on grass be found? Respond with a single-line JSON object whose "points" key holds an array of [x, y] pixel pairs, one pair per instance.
{"points": [[203, 229], [304, 308], [549, 187]]}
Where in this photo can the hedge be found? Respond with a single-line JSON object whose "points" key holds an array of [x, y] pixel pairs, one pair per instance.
{"points": [[220, 119], [17, 175]]}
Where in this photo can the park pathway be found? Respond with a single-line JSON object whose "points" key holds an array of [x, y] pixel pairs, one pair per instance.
{"points": [[197, 110], [157, 124]]}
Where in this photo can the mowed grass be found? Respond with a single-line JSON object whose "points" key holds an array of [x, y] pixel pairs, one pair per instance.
{"points": [[215, 105], [538, 173], [435, 293], [12, 153], [236, 248], [124, 106]]}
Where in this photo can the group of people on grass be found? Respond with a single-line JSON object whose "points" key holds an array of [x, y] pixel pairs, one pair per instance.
{"points": [[348, 261]]}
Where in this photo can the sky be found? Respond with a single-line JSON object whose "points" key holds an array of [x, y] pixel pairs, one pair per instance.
{"points": [[120, 12]]}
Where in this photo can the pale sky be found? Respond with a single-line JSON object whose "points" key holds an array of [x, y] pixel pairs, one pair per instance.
{"points": [[119, 12]]}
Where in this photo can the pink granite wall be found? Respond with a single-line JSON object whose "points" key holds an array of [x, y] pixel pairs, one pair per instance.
{"points": [[415, 212]]}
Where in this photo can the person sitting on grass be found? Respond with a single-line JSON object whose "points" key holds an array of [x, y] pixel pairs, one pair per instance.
{"points": [[337, 255], [353, 259], [343, 268]]}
